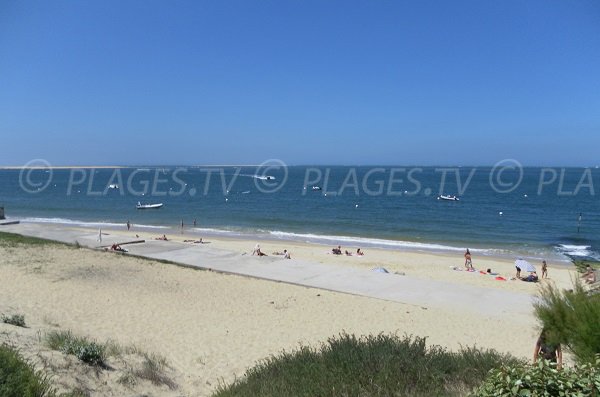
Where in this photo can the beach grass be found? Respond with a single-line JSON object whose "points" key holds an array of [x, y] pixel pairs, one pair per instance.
{"points": [[374, 365], [153, 369], [14, 239], [18, 376]]}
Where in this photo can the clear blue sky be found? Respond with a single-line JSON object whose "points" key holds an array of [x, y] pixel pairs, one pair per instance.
{"points": [[309, 82]]}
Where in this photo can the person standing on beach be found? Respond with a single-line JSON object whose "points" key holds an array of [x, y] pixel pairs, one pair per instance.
{"points": [[547, 350], [182, 226], [194, 222], [128, 225], [468, 262], [544, 269]]}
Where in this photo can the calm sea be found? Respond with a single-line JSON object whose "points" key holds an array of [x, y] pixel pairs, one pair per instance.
{"points": [[533, 212]]}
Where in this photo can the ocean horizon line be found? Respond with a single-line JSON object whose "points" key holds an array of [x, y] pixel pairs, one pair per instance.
{"points": [[125, 166]]}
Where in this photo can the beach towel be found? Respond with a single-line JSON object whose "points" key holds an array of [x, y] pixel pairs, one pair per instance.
{"points": [[500, 278]]}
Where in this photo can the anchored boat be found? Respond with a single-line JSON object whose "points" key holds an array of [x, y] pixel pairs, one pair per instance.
{"points": [[141, 206], [448, 198]]}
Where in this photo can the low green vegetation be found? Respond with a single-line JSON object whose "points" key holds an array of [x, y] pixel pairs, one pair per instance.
{"points": [[152, 367], [89, 352], [13, 239], [19, 378], [381, 365], [572, 318], [542, 379], [16, 319]]}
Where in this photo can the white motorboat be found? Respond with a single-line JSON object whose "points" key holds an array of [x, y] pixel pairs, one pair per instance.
{"points": [[141, 206], [448, 198], [113, 186], [316, 188]]}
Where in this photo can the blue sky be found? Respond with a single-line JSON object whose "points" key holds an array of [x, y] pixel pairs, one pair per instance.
{"points": [[308, 82]]}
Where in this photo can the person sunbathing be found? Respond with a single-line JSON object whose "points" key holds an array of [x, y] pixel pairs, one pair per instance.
{"points": [[532, 278], [359, 252], [257, 251], [163, 238], [193, 241], [348, 253], [117, 247], [589, 276], [337, 251]]}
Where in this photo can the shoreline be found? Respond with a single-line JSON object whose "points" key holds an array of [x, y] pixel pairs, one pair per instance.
{"points": [[499, 253], [426, 265]]}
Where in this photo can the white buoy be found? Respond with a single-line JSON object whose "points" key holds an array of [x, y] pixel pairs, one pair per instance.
{"points": [[226, 199], [524, 195], [325, 194], [356, 206], [500, 213]]}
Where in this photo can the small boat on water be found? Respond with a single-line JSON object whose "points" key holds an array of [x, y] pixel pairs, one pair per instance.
{"points": [[113, 186], [448, 198], [316, 188], [141, 206]]}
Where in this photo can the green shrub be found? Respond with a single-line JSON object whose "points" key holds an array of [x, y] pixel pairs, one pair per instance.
{"points": [[542, 379], [382, 365], [13, 239], [87, 351], [18, 377], [15, 319], [572, 318]]}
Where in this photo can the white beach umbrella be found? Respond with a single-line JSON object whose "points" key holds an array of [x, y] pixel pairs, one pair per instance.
{"points": [[524, 265]]}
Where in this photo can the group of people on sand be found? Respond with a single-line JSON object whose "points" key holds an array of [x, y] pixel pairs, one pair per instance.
{"points": [[257, 251], [338, 251], [532, 277]]}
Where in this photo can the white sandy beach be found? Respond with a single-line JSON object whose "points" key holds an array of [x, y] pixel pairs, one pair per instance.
{"points": [[211, 327]]}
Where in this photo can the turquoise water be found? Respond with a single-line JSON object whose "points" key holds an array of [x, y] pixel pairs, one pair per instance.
{"points": [[513, 211]]}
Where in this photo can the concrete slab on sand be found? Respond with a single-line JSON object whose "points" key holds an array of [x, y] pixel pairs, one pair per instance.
{"points": [[387, 286]]}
